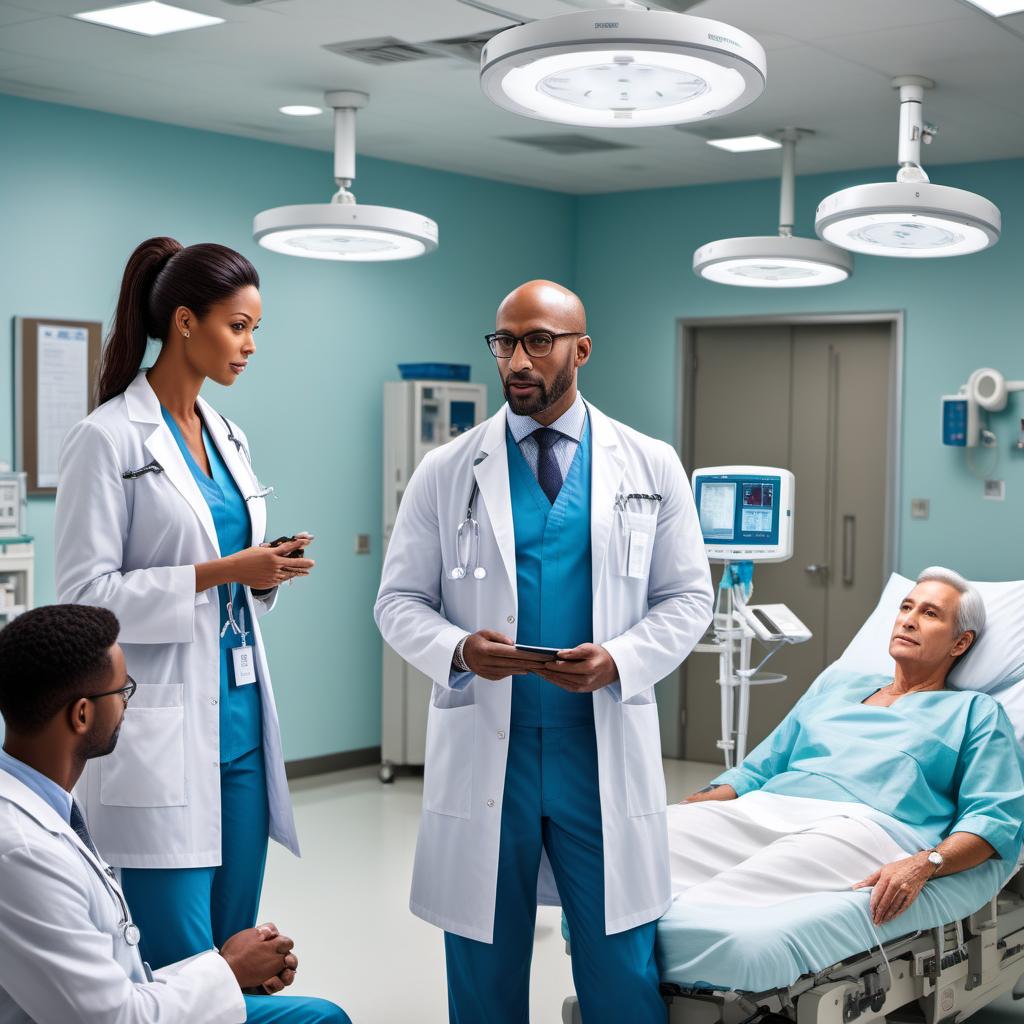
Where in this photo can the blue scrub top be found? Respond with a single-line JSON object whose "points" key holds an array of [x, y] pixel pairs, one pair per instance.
{"points": [[938, 761], [554, 586], [240, 711]]}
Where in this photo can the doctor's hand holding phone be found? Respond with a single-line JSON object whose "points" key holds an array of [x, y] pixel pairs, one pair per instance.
{"points": [[261, 567], [581, 669]]}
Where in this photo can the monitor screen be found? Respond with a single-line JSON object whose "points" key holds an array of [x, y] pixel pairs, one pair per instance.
{"points": [[718, 510], [741, 510]]}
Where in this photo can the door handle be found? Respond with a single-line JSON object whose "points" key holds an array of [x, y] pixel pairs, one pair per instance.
{"points": [[849, 548], [816, 570]]}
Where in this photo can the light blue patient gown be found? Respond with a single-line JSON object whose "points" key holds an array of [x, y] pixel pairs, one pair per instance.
{"points": [[184, 911], [938, 762]]}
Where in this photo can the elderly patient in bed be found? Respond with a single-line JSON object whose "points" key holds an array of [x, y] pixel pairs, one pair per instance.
{"points": [[865, 778]]}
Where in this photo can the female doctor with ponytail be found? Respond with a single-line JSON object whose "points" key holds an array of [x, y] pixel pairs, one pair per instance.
{"points": [[160, 519]]}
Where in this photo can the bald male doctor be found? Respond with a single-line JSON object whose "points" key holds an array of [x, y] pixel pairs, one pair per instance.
{"points": [[543, 770]]}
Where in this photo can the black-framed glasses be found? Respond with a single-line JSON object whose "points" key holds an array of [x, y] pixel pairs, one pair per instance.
{"points": [[127, 692], [536, 344]]}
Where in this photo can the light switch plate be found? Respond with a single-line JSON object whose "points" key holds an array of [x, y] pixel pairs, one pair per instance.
{"points": [[919, 508], [995, 490]]}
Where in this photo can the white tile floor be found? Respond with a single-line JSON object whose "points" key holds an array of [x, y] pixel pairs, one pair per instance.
{"points": [[346, 902]]}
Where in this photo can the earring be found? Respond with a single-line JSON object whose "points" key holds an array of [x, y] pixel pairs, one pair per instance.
{"points": [[188, 334]]}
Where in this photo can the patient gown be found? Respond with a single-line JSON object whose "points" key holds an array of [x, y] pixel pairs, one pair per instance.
{"points": [[842, 787], [933, 763]]}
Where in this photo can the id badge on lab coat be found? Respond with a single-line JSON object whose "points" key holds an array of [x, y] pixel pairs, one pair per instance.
{"points": [[635, 543], [245, 665]]}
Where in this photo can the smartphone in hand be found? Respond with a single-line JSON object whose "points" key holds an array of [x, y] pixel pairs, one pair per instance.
{"points": [[545, 653], [297, 553]]}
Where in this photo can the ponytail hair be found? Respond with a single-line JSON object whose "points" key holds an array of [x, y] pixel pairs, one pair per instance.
{"points": [[160, 276]]}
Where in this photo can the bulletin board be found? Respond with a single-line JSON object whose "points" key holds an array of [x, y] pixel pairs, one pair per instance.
{"points": [[56, 365]]}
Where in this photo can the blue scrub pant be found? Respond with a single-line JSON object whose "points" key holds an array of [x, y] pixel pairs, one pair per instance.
{"points": [[184, 911], [552, 802]]}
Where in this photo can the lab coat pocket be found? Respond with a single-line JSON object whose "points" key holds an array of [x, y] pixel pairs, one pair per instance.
{"points": [[147, 767], [641, 742], [633, 543], [448, 771]]}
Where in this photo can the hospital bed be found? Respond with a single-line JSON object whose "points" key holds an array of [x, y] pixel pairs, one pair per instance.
{"points": [[818, 959]]}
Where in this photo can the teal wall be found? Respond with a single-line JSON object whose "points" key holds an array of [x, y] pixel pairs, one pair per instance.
{"points": [[634, 270], [79, 189]]}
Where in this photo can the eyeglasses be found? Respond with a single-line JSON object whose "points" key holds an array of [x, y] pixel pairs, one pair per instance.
{"points": [[536, 344], [127, 692]]}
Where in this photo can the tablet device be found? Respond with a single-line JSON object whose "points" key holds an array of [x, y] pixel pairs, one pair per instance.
{"points": [[550, 652]]}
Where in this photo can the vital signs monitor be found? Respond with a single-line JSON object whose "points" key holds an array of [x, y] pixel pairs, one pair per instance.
{"points": [[745, 512]]}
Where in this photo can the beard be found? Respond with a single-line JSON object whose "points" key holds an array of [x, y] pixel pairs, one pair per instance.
{"points": [[544, 397], [95, 744]]}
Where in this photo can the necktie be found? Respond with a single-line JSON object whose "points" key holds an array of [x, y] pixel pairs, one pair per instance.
{"points": [[549, 476], [77, 822]]}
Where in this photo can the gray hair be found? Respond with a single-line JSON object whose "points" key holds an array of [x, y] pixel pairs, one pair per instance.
{"points": [[970, 615]]}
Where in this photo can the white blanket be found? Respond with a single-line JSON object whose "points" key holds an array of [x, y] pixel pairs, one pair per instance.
{"points": [[764, 848]]}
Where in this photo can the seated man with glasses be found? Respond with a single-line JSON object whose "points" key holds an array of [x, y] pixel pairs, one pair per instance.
{"points": [[68, 945]]}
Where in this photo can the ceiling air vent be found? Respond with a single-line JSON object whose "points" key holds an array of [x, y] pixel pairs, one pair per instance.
{"points": [[465, 48], [568, 144], [382, 50]]}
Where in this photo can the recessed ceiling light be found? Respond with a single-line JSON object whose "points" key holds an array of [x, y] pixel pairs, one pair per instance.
{"points": [[622, 69], [999, 8], [343, 229], [298, 110], [745, 143], [909, 217], [149, 19], [775, 261]]}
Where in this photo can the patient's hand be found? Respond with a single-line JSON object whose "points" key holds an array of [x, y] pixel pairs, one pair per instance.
{"points": [[896, 886], [711, 793]]}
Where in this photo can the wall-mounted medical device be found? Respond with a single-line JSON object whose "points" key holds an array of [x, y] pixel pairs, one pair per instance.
{"points": [[13, 504], [745, 512], [986, 389]]}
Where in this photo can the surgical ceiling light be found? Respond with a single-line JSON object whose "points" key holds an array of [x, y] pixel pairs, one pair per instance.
{"points": [[909, 217], [300, 110], [745, 143], [999, 8], [622, 69], [149, 19], [342, 229], [775, 261]]}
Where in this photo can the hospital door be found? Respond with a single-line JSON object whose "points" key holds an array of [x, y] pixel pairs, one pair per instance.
{"points": [[815, 399]]}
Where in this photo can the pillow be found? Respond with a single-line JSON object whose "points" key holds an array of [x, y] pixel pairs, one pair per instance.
{"points": [[995, 664]]}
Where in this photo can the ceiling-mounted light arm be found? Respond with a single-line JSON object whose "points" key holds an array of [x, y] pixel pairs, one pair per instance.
{"points": [[912, 127], [787, 188], [789, 137], [345, 103]]}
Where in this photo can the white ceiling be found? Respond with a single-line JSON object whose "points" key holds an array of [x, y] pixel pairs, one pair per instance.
{"points": [[829, 67]]}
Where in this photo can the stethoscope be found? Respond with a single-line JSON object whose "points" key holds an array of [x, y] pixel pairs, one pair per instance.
{"points": [[126, 926], [468, 531]]}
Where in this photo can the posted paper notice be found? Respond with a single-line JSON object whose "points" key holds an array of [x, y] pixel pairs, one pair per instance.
{"points": [[62, 392]]}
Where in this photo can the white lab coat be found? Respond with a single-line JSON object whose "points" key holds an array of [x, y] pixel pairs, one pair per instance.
{"points": [[63, 956], [130, 546], [648, 625]]}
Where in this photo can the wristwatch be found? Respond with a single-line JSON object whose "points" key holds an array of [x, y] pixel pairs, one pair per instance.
{"points": [[457, 660], [936, 860]]}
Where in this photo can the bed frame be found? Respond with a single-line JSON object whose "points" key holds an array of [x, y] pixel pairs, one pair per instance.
{"points": [[940, 976]]}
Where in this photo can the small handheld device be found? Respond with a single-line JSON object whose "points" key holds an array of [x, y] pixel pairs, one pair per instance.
{"points": [[775, 622], [549, 653], [297, 553]]}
